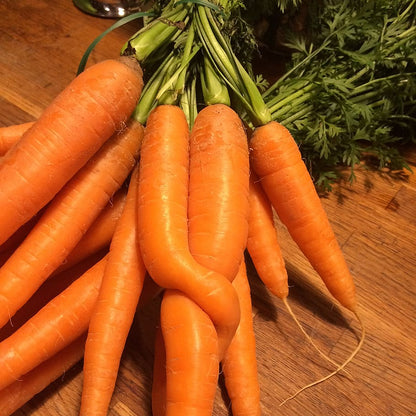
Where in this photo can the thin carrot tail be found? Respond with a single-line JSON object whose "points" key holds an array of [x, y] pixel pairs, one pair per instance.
{"points": [[339, 368], [308, 337]]}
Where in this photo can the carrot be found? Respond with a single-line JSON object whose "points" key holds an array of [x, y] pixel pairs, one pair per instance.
{"points": [[162, 222], [283, 175], [55, 326], [218, 190], [99, 235], [66, 220], [239, 365], [82, 117], [192, 360], [51, 288], [264, 249], [21, 391], [263, 244], [10, 135], [159, 376], [114, 311], [276, 159]]}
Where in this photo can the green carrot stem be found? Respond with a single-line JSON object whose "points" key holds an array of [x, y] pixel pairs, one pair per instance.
{"points": [[214, 89], [158, 33], [359, 74], [148, 97], [299, 96], [296, 116], [214, 48], [230, 68], [171, 81], [402, 76], [365, 97], [188, 102], [187, 52]]}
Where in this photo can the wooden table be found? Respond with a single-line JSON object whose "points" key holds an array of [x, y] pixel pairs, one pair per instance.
{"points": [[41, 45]]}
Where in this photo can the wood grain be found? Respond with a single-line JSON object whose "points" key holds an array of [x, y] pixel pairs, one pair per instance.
{"points": [[375, 221]]}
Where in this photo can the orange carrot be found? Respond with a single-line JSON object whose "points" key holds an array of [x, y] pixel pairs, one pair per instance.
{"points": [[49, 289], [99, 235], [263, 244], [55, 326], [283, 175], [21, 391], [159, 376], [10, 135], [66, 220], [163, 227], [114, 311], [264, 249], [218, 190], [276, 159], [192, 360], [81, 118], [239, 365]]}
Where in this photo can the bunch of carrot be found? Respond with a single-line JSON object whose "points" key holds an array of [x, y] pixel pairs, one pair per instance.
{"points": [[95, 204]]}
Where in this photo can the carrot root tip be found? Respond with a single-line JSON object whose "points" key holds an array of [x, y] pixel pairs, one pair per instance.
{"points": [[340, 368], [308, 337]]}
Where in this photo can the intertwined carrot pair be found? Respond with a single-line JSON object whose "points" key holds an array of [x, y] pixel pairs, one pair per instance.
{"points": [[193, 213]]}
